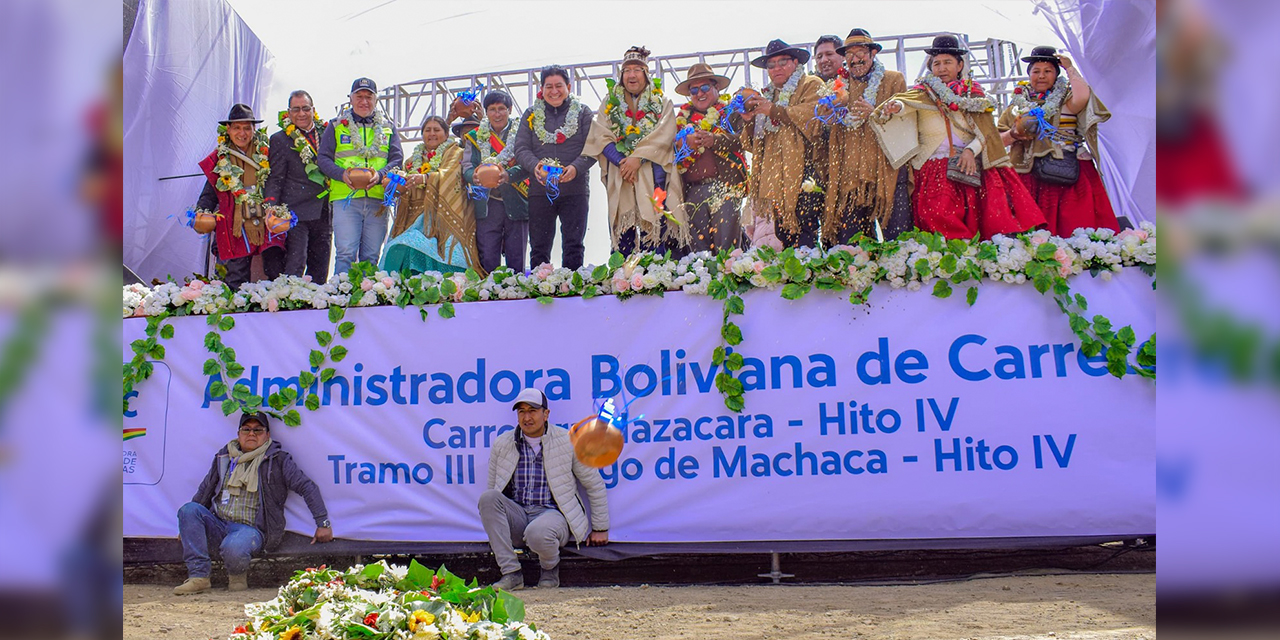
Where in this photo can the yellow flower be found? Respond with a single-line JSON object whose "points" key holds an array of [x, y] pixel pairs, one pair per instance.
{"points": [[289, 129], [632, 129], [474, 617], [264, 164], [608, 106], [420, 617], [294, 633]]}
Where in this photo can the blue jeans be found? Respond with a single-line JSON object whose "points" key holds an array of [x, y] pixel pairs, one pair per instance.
{"points": [[359, 229], [198, 527]]}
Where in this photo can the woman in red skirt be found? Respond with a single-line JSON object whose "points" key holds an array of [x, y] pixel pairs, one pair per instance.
{"points": [[1050, 129], [945, 126]]}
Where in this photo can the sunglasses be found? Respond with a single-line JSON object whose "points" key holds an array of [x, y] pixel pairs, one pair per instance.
{"points": [[703, 88], [251, 431]]}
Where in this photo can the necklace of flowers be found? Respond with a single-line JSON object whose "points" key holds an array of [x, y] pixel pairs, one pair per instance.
{"points": [[1024, 99], [380, 133], [708, 122], [973, 100], [300, 142], [229, 174], [423, 161], [484, 132], [780, 97], [868, 94], [538, 121], [630, 127]]}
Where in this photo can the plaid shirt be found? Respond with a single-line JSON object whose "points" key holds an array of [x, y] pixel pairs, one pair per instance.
{"points": [[529, 487], [241, 508]]}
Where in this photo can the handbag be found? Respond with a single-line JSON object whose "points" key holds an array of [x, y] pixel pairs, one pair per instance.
{"points": [[954, 173], [1064, 171]]}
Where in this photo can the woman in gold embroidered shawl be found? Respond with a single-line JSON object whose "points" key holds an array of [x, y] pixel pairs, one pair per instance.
{"points": [[435, 228]]}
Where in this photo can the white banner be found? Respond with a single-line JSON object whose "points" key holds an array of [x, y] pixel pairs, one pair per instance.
{"points": [[911, 417]]}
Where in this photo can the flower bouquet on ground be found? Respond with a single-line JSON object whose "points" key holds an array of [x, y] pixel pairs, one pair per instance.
{"points": [[379, 600]]}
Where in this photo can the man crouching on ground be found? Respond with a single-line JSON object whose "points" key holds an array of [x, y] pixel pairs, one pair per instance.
{"points": [[239, 506], [532, 495]]}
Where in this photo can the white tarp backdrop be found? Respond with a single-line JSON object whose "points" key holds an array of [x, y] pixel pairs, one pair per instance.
{"points": [[970, 422], [185, 65]]}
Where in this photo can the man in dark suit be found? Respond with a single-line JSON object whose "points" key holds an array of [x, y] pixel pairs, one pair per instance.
{"points": [[297, 183]]}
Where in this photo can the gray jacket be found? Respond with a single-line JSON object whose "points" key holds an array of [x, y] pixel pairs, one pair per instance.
{"points": [[277, 476], [561, 467]]}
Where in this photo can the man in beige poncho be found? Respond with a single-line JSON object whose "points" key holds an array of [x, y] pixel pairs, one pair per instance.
{"points": [[780, 132], [632, 137], [864, 188]]}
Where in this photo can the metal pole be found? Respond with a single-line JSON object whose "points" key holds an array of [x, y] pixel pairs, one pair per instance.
{"points": [[775, 569]]}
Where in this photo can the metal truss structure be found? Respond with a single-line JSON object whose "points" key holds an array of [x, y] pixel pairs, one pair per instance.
{"points": [[994, 63]]}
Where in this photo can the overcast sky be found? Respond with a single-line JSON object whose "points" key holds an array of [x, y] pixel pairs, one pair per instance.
{"points": [[322, 45]]}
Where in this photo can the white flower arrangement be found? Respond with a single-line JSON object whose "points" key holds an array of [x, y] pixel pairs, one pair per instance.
{"points": [[896, 263]]}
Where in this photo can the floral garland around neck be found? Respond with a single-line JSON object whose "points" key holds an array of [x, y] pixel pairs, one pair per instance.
{"points": [[230, 175], [300, 144], [780, 97], [970, 97], [484, 132], [709, 122], [629, 126], [1024, 99], [869, 94], [538, 121], [381, 134], [423, 161]]}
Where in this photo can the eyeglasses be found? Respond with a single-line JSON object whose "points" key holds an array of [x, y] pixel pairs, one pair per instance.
{"points": [[251, 431], [704, 88], [774, 64], [299, 109]]}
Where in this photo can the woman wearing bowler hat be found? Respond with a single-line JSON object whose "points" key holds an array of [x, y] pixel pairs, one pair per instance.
{"points": [[945, 127], [1069, 105]]}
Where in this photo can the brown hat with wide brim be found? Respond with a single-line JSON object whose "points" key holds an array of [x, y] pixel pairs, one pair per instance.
{"points": [[701, 71], [859, 38]]}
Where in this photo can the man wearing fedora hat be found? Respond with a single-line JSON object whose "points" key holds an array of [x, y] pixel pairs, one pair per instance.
{"points": [[532, 494], [863, 187], [714, 175], [236, 173], [631, 137], [358, 149], [297, 183], [782, 137]]}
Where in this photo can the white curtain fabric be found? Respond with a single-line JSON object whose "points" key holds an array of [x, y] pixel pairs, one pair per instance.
{"points": [[1114, 45], [186, 63]]}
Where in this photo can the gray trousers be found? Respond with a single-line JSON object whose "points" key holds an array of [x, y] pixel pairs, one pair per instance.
{"points": [[544, 530]]}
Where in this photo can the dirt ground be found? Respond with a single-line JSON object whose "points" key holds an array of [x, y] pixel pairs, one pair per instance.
{"points": [[1083, 607]]}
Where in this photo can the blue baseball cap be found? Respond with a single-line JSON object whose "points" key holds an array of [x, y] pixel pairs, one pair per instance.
{"points": [[363, 84]]}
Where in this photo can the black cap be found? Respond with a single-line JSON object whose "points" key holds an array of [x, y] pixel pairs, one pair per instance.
{"points": [[363, 83], [260, 416], [946, 44], [240, 113]]}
